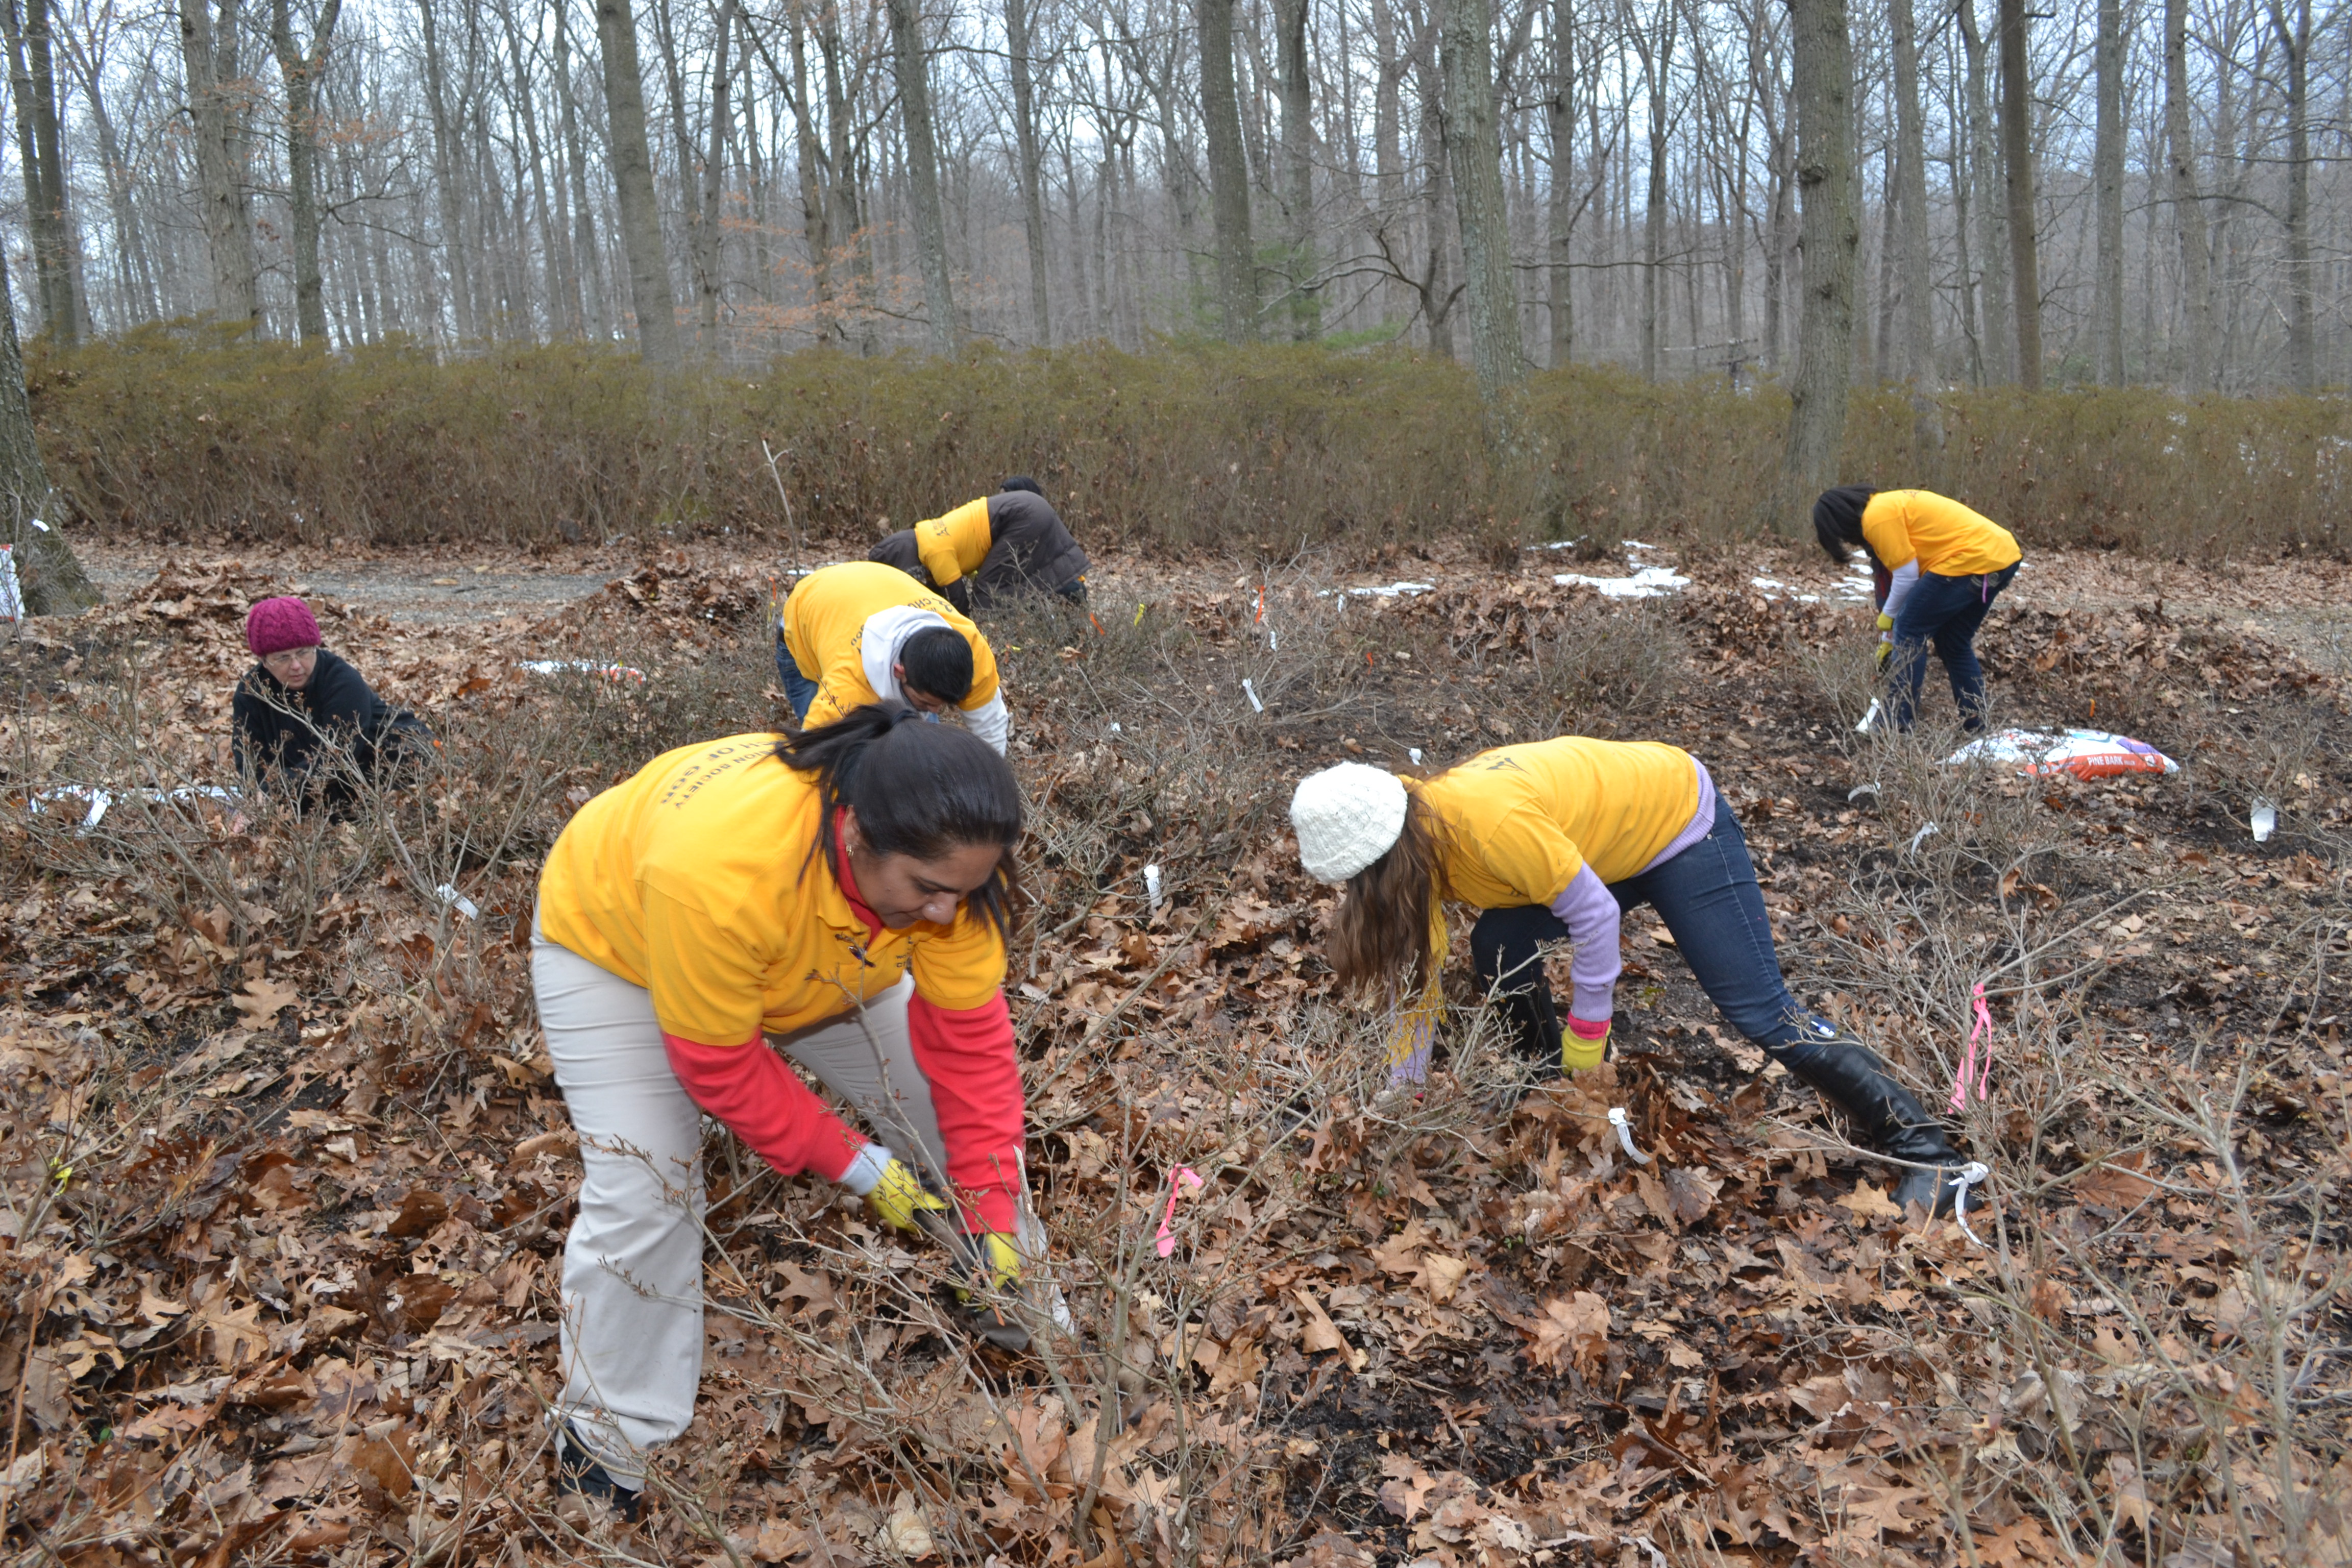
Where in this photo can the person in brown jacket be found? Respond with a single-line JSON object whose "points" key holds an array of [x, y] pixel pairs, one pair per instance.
{"points": [[991, 549]]}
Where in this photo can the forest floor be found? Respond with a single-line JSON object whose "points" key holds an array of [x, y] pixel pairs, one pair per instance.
{"points": [[284, 1180]]}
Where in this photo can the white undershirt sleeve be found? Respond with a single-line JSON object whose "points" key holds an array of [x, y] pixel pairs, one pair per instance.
{"points": [[990, 722], [1906, 578]]}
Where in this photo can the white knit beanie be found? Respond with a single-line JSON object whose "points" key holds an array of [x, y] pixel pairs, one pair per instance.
{"points": [[1347, 817]]}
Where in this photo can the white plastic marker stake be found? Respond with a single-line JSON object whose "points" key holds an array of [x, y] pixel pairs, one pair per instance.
{"points": [[1251, 692], [1414, 752], [1858, 791], [457, 901], [1970, 1175], [1869, 719], [1182, 1177], [1921, 838], [1625, 1135], [1114, 728], [2263, 819], [1151, 887]]}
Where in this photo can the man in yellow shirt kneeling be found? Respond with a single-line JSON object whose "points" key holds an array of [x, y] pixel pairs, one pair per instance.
{"points": [[860, 632]]}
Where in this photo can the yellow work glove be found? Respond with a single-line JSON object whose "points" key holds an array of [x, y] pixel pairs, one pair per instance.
{"points": [[1886, 622], [899, 1195], [996, 1260], [1885, 651], [1578, 1054], [995, 1264]]}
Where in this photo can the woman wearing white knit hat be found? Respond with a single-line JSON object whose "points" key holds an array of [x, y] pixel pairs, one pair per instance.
{"points": [[1550, 841]]}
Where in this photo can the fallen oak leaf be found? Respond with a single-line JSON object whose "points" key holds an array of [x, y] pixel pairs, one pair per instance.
{"points": [[1321, 1333], [259, 1001], [1869, 1203], [1406, 1491]]}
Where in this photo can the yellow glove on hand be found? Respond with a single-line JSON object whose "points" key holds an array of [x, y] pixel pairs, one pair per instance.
{"points": [[1576, 1054], [1886, 622], [996, 1260], [1885, 651], [899, 1195]]}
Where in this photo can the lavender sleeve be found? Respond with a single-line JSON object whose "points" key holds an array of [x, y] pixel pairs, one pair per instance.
{"points": [[1589, 910]]}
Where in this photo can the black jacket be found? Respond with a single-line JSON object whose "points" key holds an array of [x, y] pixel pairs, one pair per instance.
{"points": [[284, 731], [1030, 551]]}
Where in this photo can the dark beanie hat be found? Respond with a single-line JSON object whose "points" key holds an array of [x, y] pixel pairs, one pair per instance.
{"points": [[1018, 482], [273, 625]]}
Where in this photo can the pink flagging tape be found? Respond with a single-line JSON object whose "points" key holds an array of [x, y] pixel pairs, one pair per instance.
{"points": [[1970, 1066], [1182, 1177]]}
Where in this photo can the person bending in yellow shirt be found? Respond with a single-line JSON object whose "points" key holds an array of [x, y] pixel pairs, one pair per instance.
{"points": [[991, 549], [861, 632], [1551, 841], [1939, 567], [840, 898]]}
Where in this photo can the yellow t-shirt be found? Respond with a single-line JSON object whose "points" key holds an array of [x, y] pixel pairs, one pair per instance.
{"points": [[1517, 823], [954, 545], [694, 880], [824, 623], [1942, 535]]}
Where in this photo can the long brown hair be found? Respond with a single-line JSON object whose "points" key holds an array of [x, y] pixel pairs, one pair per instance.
{"points": [[1379, 932]]}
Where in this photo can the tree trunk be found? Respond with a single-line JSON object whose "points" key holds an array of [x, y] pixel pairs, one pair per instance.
{"points": [[48, 579], [1297, 183], [1992, 239], [583, 212], [1024, 138], [1559, 214], [444, 176], [1229, 200], [1656, 60], [208, 52], [1474, 148], [32, 78], [913, 63], [2016, 169], [1831, 233], [301, 68], [2187, 210], [1911, 166], [710, 239], [633, 181], [138, 278], [2294, 39], [2108, 192]]}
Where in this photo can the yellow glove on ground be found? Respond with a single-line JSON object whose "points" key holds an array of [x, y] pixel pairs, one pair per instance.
{"points": [[1578, 1055], [898, 1196]]}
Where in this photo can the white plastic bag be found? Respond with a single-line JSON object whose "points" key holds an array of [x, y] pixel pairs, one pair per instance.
{"points": [[2086, 753]]}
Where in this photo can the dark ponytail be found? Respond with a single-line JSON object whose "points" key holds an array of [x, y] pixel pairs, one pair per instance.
{"points": [[919, 789], [1837, 521]]}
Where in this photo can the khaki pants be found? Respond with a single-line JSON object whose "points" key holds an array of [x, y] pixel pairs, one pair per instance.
{"points": [[633, 1264]]}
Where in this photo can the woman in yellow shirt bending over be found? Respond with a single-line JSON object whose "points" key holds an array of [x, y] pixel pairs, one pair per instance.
{"points": [[839, 896], [1939, 566], [1550, 841]]}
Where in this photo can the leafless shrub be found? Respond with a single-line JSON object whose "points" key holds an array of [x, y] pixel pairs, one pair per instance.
{"points": [[1604, 663]]}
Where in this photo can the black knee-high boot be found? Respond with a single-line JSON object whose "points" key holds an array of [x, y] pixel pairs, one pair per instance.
{"points": [[1889, 1117]]}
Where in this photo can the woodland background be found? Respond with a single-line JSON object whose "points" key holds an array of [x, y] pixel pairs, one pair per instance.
{"points": [[2112, 191]]}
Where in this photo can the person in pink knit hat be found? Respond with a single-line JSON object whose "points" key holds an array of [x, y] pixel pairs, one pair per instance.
{"points": [[301, 707]]}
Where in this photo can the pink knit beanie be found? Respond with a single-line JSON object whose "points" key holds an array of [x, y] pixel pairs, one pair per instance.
{"points": [[273, 625]]}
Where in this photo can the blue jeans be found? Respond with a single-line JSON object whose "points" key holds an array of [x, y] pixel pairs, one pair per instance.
{"points": [[1709, 899], [799, 689], [1945, 611]]}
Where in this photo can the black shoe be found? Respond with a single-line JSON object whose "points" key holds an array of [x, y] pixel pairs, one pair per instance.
{"points": [[577, 1472], [1888, 1117]]}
